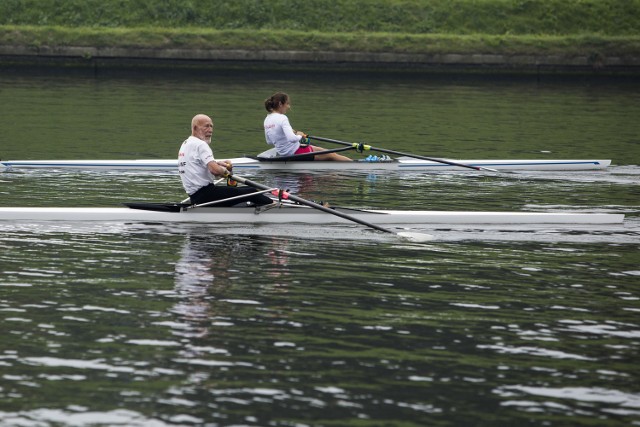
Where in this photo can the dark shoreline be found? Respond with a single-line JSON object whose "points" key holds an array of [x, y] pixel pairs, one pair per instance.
{"points": [[99, 60]]}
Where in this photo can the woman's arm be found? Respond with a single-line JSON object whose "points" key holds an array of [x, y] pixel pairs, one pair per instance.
{"points": [[289, 133]]}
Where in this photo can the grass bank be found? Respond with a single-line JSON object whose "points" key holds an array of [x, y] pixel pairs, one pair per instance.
{"points": [[459, 17], [190, 38], [591, 29]]}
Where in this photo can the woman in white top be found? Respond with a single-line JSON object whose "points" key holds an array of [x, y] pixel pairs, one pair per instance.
{"points": [[279, 133]]}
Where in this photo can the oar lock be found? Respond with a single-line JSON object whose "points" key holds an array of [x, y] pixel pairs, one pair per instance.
{"points": [[361, 146]]}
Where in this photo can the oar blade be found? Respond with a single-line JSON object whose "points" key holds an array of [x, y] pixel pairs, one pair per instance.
{"points": [[484, 168], [416, 237]]}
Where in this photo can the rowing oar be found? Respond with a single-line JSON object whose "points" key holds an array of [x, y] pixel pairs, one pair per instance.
{"points": [[416, 237], [360, 147]]}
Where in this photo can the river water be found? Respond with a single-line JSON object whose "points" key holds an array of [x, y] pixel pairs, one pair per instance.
{"points": [[184, 325]]}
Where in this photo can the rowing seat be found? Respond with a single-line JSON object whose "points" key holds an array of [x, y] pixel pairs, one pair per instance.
{"points": [[295, 157]]}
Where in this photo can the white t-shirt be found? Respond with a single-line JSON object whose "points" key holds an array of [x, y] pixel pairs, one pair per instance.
{"points": [[193, 157], [279, 133]]}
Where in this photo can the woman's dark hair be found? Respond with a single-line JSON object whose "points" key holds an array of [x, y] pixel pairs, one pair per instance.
{"points": [[276, 100]]}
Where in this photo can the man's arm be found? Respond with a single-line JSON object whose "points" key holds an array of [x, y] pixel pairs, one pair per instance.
{"points": [[219, 168]]}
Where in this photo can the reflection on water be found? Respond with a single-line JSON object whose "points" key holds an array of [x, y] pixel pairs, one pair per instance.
{"points": [[206, 268], [194, 276]]}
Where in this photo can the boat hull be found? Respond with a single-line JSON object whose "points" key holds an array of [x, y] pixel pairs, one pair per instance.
{"points": [[299, 214], [246, 163]]}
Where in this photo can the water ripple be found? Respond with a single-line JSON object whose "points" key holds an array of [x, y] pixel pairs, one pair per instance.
{"points": [[582, 394]]}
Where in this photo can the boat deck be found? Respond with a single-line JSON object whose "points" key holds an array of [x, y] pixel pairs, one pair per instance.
{"points": [[247, 163], [300, 214]]}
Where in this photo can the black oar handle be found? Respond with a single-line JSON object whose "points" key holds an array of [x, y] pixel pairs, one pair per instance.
{"points": [[361, 146]]}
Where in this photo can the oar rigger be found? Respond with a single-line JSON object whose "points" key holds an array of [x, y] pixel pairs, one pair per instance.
{"points": [[361, 147], [413, 236]]}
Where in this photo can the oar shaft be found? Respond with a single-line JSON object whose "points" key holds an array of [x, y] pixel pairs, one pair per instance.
{"points": [[399, 153], [313, 205], [337, 213]]}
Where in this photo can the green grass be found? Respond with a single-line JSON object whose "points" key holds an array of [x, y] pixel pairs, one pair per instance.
{"points": [[36, 37], [497, 17], [591, 27]]}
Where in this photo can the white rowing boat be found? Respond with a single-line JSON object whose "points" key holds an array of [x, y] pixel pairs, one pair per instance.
{"points": [[258, 163], [293, 213]]}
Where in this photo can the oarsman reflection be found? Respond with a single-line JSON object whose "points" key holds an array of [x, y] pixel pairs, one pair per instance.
{"points": [[204, 274], [278, 256], [201, 262]]}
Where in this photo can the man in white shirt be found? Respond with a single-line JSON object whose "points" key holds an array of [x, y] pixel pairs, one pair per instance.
{"points": [[196, 165]]}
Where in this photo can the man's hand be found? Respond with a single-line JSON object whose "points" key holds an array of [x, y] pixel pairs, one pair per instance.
{"points": [[220, 168], [227, 168]]}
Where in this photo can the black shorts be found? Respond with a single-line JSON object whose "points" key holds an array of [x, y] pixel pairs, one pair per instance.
{"points": [[212, 192]]}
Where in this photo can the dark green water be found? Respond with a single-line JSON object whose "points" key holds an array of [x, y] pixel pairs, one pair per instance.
{"points": [[183, 325], [135, 117]]}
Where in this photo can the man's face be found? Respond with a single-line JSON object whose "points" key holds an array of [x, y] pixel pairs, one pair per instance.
{"points": [[204, 129]]}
